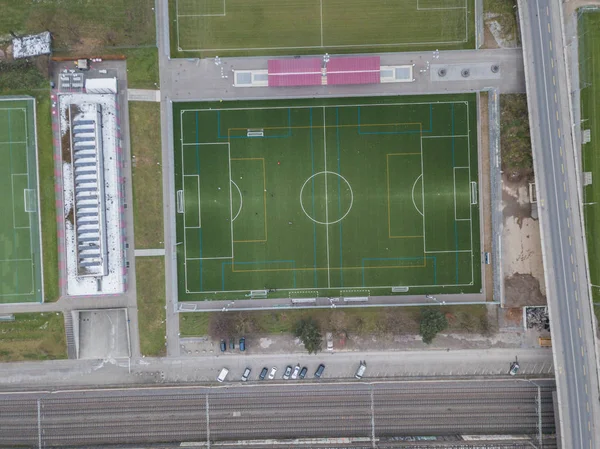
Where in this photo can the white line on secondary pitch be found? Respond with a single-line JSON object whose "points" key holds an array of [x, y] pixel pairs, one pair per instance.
{"points": [[321, 2], [326, 199]]}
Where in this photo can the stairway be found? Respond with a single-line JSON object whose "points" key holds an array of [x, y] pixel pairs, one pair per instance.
{"points": [[71, 347]]}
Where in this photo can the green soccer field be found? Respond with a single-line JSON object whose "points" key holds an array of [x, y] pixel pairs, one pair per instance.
{"points": [[20, 262], [589, 68], [337, 197], [272, 27]]}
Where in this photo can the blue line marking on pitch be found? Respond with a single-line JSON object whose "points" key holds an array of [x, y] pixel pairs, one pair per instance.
{"points": [[293, 262], [454, 165], [337, 124], [277, 136], [400, 258], [399, 132], [312, 161], [13, 198], [198, 170]]}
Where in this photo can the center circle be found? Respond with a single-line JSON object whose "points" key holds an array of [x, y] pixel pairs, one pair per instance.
{"points": [[326, 198]]}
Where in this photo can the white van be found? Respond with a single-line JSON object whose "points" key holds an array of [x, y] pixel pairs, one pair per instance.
{"points": [[222, 375], [361, 370]]}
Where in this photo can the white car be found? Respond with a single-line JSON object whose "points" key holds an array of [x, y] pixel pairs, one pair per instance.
{"points": [[329, 338], [273, 372], [296, 371]]}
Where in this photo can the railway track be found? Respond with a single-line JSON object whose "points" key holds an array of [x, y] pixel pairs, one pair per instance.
{"points": [[270, 411]]}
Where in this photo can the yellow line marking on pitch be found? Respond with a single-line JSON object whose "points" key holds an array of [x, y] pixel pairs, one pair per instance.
{"points": [[387, 169], [262, 159]]}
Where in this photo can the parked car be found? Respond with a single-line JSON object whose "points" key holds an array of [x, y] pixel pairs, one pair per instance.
{"points": [[514, 368], [243, 344], [263, 373], [296, 371], [222, 375], [223, 345], [287, 373], [319, 371], [303, 372], [246, 374], [361, 370], [231, 343], [273, 372], [329, 338]]}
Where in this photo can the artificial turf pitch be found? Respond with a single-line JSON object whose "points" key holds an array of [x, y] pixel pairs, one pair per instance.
{"points": [[337, 197], [20, 260], [272, 27]]}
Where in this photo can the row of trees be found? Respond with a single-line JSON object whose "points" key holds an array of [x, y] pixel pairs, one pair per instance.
{"points": [[308, 330]]}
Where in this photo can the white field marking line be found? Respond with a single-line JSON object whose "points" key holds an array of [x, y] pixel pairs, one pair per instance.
{"points": [[241, 200], [177, 26], [203, 15], [208, 258], [471, 207], [423, 193], [183, 188], [448, 252], [326, 197], [29, 215], [231, 198], [203, 143], [309, 107], [351, 287], [413, 194], [308, 47], [13, 143], [440, 8], [199, 205], [321, 4], [16, 260], [444, 137]]}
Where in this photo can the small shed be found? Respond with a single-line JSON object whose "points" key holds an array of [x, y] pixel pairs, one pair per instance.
{"points": [[101, 85], [32, 45]]}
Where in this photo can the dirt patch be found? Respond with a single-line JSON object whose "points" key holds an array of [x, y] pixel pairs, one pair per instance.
{"points": [[87, 46], [514, 315], [71, 216], [65, 145], [489, 41], [523, 290]]}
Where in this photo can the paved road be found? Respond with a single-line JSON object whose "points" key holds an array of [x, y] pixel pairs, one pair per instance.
{"points": [[562, 230], [204, 367], [258, 411]]}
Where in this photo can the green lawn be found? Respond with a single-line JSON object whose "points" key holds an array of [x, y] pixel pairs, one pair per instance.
{"points": [[142, 68], [33, 336], [144, 121], [79, 25], [339, 197], [150, 281], [365, 321], [270, 27], [589, 46], [20, 263]]}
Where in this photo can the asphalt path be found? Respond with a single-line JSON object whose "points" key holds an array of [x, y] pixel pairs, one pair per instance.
{"points": [[204, 368], [258, 411], [561, 224]]}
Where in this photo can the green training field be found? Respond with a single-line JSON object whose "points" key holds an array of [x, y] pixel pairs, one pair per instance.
{"points": [[589, 48], [20, 262], [274, 27], [338, 197]]}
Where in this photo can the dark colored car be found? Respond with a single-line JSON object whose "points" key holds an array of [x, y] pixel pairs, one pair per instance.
{"points": [[263, 373], [231, 343], [243, 344], [287, 373], [302, 374], [223, 345], [319, 371]]}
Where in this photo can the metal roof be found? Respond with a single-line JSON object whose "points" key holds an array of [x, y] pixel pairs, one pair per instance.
{"points": [[354, 70], [295, 72]]}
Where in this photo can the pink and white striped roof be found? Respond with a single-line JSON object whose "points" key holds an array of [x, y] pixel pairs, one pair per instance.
{"points": [[295, 72], [354, 70]]}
